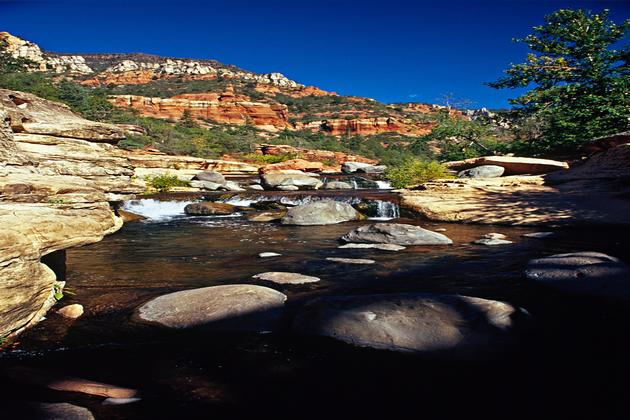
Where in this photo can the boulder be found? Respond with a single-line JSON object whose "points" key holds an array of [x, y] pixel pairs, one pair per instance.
{"points": [[128, 216], [207, 208], [410, 322], [73, 311], [351, 167], [382, 247], [585, 273], [280, 277], [485, 171], [337, 185], [325, 212], [211, 176], [395, 233], [51, 411], [232, 186], [300, 181], [206, 185], [288, 188], [376, 169], [254, 187], [235, 307]]}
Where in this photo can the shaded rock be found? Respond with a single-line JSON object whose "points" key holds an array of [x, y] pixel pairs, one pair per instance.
{"points": [[53, 411], [207, 208], [611, 164], [211, 176], [586, 273], [280, 277], [73, 311], [268, 254], [325, 212], [266, 216], [299, 181], [350, 260], [413, 322], [269, 205], [235, 307], [485, 171], [383, 247], [395, 233], [337, 185]]}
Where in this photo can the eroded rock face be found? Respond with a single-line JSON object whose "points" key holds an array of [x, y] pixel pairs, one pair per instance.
{"points": [[410, 322], [54, 193], [325, 212], [395, 233], [585, 273], [236, 307]]}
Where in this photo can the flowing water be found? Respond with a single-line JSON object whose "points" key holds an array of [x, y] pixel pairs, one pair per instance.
{"points": [[572, 364]]}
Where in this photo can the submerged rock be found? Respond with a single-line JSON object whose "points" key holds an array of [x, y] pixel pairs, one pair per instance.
{"points": [[413, 322], [395, 233], [235, 307], [492, 239], [207, 208], [325, 212], [587, 273], [350, 260], [538, 235], [281, 277], [484, 171]]}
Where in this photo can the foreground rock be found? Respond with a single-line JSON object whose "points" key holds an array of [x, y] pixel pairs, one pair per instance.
{"points": [[281, 277], [325, 212], [397, 234], [410, 322], [237, 307], [360, 261], [585, 273], [53, 411], [485, 171], [295, 180], [513, 165], [211, 176], [209, 208]]}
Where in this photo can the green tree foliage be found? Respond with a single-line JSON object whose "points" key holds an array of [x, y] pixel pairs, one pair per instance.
{"points": [[415, 171], [580, 77], [10, 64], [187, 120], [165, 182]]}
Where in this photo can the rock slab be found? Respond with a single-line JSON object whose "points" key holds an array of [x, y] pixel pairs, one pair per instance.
{"points": [[325, 212], [397, 234]]}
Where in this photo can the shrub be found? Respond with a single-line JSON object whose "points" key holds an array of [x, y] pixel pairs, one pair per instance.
{"points": [[165, 182], [416, 171], [267, 159]]}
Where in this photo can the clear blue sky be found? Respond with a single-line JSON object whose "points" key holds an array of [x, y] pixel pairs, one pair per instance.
{"points": [[391, 50]]}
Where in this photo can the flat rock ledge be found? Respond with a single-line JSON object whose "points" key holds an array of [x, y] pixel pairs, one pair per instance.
{"points": [[397, 234], [583, 273], [411, 322], [280, 277], [235, 307], [350, 260], [382, 247]]}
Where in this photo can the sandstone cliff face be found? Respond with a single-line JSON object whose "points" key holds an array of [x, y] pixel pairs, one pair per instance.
{"points": [[222, 108], [56, 181], [368, 126]]}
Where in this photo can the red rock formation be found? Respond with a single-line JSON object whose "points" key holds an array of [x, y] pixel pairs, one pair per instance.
{"points": [[368, 126], [220, 107], [295, 164], [332, 160]]}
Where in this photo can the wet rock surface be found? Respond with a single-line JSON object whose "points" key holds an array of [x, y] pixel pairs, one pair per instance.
{"points": [[395, 233], [323, 212], [286, 278], [208, 208], [237, 307]]}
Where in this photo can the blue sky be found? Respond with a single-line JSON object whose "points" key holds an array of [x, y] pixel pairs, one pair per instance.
{"points": [[394, 50]]}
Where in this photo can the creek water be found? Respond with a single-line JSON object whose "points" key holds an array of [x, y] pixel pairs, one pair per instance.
{"points": [[572, 363]]}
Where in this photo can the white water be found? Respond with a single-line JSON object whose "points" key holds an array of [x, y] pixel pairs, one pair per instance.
{"points": [[156, 210], [384, 185], [386, 210]]}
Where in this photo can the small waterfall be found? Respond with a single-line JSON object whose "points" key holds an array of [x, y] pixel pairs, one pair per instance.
{"points": [[384, 185], [386, 210], [355, 185], [156, 210]]}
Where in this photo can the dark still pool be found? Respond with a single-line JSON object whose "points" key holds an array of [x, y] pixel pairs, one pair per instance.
{"points": [[570, 359]]}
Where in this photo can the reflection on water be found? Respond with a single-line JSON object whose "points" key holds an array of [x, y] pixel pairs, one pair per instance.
{"points": [[210, 372]]}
